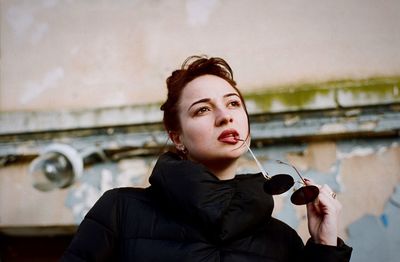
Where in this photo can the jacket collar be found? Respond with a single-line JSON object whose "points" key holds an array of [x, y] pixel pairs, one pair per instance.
{"points": [[227, 208]]}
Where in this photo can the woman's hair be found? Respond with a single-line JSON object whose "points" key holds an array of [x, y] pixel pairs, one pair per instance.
{"points": [[193, 67]]}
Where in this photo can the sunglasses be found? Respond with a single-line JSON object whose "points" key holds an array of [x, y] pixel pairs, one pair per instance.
{"points": [[281, 183]]}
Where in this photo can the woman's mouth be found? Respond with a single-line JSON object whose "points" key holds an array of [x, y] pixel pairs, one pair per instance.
{"points": [[230, 136]]}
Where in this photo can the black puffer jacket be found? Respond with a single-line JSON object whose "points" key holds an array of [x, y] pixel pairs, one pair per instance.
{"points": [[187, 214]]}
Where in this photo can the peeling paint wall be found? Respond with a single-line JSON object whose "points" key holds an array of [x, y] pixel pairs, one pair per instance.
{"points": [[364, 173]]}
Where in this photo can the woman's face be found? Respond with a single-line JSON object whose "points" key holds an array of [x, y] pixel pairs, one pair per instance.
{"points": [[212, 119]]}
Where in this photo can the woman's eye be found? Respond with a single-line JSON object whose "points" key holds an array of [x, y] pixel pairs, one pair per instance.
{"points": [[202, 110], [234, 104]]}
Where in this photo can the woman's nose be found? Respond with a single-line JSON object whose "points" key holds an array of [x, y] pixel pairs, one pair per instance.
{"points": [[223, 117]]}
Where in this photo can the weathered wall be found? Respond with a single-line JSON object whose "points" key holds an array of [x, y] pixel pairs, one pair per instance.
{"points": [[57, 53], [321, 81], [364, 173]]}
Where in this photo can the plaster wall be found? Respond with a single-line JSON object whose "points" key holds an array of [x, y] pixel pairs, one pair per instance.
{"points": [[69, 54]]}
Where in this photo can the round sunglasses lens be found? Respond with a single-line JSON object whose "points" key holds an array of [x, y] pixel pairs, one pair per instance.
{"points": [[304, 195], [278, 184]]}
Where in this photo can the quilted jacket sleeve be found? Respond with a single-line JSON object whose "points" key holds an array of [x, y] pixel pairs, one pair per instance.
{"points": [[316, 252], [96, 237]]}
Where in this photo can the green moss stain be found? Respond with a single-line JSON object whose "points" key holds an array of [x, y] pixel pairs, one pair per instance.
{"points": [[375, 88], [302, 96], [292, 98]]}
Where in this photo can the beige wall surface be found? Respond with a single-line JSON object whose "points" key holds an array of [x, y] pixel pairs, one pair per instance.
{"points": [[327, 76], [69, 54]]}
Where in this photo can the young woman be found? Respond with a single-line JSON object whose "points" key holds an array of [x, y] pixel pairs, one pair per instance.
{"points": [[196, 208]]}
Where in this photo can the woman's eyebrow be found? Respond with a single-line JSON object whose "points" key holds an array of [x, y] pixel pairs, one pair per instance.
{"points": [[205, 100], [231, 94]]}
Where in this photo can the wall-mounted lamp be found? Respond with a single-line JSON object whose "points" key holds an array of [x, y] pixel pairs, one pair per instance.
{"points": [[57, 167]]}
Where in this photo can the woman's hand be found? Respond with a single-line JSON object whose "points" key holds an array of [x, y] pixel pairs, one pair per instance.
{"points": [[323, 216]]}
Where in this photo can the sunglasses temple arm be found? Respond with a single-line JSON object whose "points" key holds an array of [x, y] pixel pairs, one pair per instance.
{"points": [[298, 173], [265, 174], [302, 179]]}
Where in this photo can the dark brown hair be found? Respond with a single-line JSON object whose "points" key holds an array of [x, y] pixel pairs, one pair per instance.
{"points": [[192, 67]]}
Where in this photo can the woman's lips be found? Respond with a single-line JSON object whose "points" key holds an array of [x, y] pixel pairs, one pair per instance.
{"points": [[229, 136]]}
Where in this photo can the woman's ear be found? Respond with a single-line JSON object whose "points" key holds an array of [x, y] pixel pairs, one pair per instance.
{"points": [[176, 139]]}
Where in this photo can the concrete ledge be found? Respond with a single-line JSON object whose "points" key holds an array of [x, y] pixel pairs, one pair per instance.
{"points": [[328, 124], [320, 96], [325, 111], [25, 122], [341, 123]]}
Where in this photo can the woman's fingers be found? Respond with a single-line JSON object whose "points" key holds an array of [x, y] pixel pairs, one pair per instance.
{"points": [[329, 197], [323, 215], [326, 199]]}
